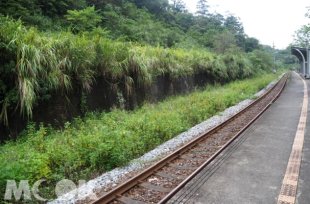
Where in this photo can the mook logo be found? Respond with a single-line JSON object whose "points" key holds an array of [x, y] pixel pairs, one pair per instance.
{"points": [[23, 191]]}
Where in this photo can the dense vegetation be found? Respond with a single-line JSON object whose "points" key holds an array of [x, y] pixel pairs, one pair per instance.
{"points": [[101, 141], [64, 47], [34, 64], [153, 22]]}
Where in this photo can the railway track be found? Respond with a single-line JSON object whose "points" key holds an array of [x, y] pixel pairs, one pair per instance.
{"points": [[161, 181]]}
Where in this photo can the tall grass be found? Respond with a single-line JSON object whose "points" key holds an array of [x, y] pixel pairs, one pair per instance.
{"points": [[36, 63], [101, 141]]}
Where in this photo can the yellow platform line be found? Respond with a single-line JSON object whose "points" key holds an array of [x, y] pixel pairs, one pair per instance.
{"points": [[288, 191]]}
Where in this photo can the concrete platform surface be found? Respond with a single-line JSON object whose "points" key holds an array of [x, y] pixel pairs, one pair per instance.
{"points": [[251, 170], [303, 191]]}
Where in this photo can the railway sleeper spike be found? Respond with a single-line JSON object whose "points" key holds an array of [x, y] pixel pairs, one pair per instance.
{"points": [[127, 200], [153, 187]]}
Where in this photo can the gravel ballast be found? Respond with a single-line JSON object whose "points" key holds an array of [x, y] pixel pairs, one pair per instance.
{"points": [[114, 177]]}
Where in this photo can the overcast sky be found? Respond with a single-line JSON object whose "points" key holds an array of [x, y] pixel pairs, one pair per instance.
{"points": [[267, 20]]}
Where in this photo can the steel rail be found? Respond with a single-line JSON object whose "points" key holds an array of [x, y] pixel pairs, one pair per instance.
{"points": [[121, 189], [199, 169]]}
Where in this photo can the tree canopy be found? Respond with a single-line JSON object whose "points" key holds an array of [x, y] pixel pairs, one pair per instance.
{"points": [[156, 22], [302, 35], [83, 20], [202, 7]]}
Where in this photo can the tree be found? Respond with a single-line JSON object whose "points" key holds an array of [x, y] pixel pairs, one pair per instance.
{"points": [[224, 41], [302, 36], [19, 9], [261, 60], [184, 20], [308, 12], [251, 44], [215, 21], [83, 20], [234, 25], [202, 7], [155, 6], [178, 6], [100, 4], [53, 8]]}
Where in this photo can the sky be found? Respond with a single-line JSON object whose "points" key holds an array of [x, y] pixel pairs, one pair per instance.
{"points": [[270, 21]]}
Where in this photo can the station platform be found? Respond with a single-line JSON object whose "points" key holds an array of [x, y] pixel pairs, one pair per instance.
{"points": [[252, 168]]}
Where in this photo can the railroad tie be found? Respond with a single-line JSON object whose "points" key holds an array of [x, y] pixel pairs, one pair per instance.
{"points": [[184, 167], [191, 158], [128, 200], [155, 187], [170, 176]]}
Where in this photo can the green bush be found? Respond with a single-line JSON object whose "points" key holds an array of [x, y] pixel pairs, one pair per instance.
{"points": [[83, 20]]}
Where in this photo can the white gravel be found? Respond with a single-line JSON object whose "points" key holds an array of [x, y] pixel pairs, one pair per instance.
{"points": [[112, 177]]}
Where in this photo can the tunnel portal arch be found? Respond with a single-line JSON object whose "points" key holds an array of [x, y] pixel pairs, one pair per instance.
{"points": [[303, 55]]}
